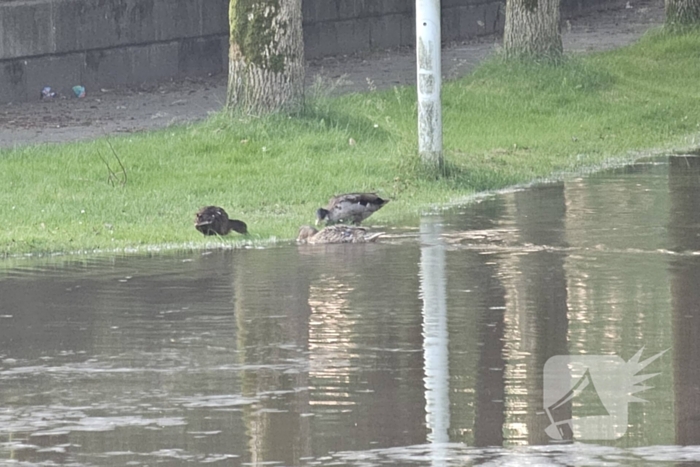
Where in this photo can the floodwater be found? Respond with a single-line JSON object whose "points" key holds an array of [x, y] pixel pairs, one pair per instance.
{"points": [[493, 334]]}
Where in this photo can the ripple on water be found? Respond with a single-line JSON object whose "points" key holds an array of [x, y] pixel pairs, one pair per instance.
{"points": [[456, 454]]}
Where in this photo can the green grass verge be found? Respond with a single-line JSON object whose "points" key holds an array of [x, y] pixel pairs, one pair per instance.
{"points": [[504, 124]]}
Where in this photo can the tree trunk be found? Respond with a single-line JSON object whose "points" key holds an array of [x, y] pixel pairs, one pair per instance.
{"points": [[682, 12], [532, 29], [266, 56]]}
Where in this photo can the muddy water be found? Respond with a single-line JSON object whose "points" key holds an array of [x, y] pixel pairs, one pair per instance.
{"points": [[437, 346]]}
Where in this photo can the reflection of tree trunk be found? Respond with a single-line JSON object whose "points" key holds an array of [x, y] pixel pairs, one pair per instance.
{"points": [[490, 383], [544, 322], [477, 357], [272, 311], [684, 193], [532, 29]]}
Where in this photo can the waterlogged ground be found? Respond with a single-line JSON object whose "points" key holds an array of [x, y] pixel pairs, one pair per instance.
{"points": [[429, 348]]}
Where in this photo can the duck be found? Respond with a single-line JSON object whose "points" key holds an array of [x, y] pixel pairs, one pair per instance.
{"points": [[213, 220], [354, 207], [336, 234]]}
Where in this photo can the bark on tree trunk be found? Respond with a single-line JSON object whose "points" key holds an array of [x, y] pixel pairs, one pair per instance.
{"points": [[682, 12], [266, 56], [532, 29]]}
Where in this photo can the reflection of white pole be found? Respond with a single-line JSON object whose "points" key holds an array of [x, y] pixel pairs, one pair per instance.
{"points": [[428, 56], [435, 338]]}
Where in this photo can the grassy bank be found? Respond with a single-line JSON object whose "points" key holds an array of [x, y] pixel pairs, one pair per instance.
{"points": [[504, 124]]}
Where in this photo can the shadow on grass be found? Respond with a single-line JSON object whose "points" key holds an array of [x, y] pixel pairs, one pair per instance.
{"points": [[318, 115], [462, 178], [318, 120], [569, 74]]}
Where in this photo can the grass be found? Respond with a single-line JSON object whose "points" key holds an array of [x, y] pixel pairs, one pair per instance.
{"points": [[504, 124]]}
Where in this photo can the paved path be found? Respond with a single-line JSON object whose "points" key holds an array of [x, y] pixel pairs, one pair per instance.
{"points": [[114, 111]]}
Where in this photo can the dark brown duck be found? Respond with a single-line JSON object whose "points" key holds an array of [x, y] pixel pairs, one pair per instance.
{"points": [[213, 220]]}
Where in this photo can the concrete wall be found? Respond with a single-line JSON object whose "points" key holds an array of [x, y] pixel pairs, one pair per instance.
{"points": [[333, 27], [99, 43]]}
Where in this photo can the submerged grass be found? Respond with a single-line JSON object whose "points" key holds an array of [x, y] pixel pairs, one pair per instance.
{"points": [[504, 124]]}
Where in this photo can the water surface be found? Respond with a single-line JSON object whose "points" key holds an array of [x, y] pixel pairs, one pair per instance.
{"points": [[427, 348]]}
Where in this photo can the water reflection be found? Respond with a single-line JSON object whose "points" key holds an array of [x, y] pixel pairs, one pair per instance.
{"points": [[539, 283], [684, 227], [272, 328], [425, 349], [435, 337]]}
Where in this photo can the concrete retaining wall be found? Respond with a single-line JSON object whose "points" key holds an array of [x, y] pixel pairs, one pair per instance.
{"points": [[98, 43], [347, 26]]}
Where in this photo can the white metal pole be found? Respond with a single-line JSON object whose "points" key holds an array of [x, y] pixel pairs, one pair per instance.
{"points": [[429, 79]]}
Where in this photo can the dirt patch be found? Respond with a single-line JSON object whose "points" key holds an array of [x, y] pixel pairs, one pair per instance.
{"points": [[125, 110]]}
